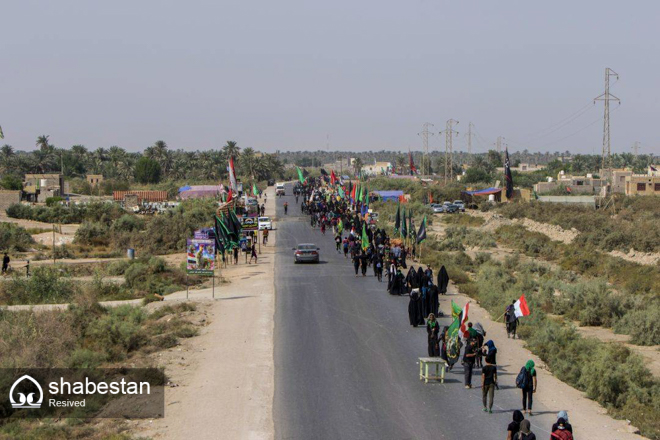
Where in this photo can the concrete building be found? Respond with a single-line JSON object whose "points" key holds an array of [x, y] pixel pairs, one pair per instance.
{"points": [[643, 185], [94, 179], [573, 184], [377, 169], [618, 178], [38, 187]]}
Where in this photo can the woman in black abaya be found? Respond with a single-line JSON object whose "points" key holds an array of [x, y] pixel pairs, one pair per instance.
{"points": [[415, 309], [443, 280]]}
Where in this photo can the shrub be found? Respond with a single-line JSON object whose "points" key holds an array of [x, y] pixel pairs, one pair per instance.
{"points": [[147, 170], [118, 332], [643, 325], [52, 201], [93, 234], [13, 238], [46, 286]]}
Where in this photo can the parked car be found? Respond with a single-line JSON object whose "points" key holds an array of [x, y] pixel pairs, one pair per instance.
{"points": [[265, 223], [451, 208], [460, 205], [438, 209], [306, 252], [271, 182]]}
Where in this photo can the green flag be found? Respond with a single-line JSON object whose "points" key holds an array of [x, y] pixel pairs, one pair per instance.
{"points": [[421, 235], [404, 230], [300, 175], [365, 237], [255, 191], [341, 192], [455, 310], [2, 135]]}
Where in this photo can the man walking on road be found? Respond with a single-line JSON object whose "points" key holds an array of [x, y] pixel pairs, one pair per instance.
{"points": [[488, 385], [468, 361]]}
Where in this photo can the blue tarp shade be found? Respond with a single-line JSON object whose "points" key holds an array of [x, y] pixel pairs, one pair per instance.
{"points": [[484, 192], [184, 188], [389, 195]]}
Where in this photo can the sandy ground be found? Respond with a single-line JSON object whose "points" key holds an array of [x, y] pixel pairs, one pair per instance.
{"points": [[31, 224], [223, 380], [594, 423]]}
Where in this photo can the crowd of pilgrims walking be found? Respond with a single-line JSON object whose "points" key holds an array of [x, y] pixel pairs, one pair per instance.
{"points": [[368, 246]]}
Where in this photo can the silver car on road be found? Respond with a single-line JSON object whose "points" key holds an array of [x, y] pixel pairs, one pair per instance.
{"points": [[306, 252]]}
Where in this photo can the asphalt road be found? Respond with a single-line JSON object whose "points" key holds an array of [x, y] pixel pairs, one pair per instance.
{"points": [[346, 358]]}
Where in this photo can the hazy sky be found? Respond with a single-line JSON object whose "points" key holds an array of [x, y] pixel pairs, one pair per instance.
{"points": [[286, 74]]}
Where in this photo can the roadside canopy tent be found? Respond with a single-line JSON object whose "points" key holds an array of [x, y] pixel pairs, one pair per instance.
{"points": [[389, 195], [468, 196]]}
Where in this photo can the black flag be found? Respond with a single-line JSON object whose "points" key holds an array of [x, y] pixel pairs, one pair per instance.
{"points": [[397, 219], [507, 175], [421, 235]]}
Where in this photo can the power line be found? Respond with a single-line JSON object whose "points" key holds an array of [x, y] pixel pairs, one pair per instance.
{"points": [[449, 149], [425, 133], [606, 98]]}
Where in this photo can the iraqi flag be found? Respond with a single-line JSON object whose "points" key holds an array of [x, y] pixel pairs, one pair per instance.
{"points": [[520, 307], [232, 175]]}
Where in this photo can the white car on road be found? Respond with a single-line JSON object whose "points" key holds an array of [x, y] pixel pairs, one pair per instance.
{"points": [[265, 223]]}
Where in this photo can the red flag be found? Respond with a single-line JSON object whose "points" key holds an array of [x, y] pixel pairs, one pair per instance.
{"points": [[353, 192], [430, 197], [413, 170], [521, 308], [333, 178], [230, 196], [568, 189]]}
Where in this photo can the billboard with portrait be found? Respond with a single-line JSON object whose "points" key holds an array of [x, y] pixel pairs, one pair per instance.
{"points": [[200, 256]]}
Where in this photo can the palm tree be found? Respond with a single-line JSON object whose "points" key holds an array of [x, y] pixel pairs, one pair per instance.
{"points": [[401, 163], [231, 149], [357, 166], [42, 143], [159, 152], [6, 157], [248, 162]]}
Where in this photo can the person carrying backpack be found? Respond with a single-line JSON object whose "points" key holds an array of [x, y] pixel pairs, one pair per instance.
{"points": [[561, 433], [526, 381]]}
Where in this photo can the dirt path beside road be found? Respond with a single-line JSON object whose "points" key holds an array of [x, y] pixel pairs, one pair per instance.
{"points": [[223, 380]]}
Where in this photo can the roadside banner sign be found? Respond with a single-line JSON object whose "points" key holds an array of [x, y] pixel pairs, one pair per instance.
{"points": [[200, 257]]}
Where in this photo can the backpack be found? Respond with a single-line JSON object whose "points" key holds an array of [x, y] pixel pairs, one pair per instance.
{"points": [[522, 380], [562, 434]]}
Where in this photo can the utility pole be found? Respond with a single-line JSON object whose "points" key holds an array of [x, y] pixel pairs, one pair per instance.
{"points": [[606, 98], [425, 133], [636, 148], [449, 149]]}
